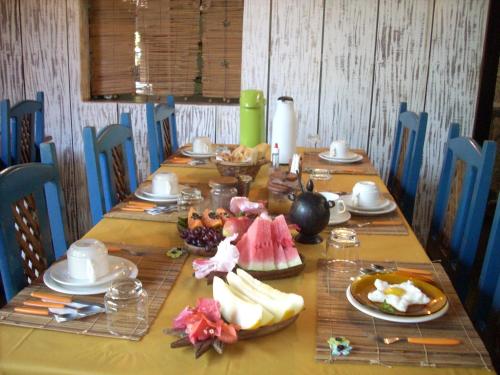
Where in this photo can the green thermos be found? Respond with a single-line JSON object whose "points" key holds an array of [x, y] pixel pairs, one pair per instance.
{"points": [[252, 120]]}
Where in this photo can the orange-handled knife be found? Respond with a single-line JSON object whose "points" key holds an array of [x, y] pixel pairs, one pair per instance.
{"points": [[32, 311], [434, 341], [49, 297], [37, 303]]}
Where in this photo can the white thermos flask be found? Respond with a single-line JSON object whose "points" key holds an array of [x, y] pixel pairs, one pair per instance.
{"points": [[285, 128]]}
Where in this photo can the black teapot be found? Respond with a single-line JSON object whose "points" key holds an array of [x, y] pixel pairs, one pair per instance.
{"points": [[311, 212]]}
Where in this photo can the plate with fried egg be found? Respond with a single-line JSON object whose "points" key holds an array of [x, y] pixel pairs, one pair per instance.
{"points": [[397, 298]]}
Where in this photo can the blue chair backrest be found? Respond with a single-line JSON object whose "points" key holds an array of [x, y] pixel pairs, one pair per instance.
{"points": [[162, 132], [22, 129], [489, 280], [404, 187], [31, 220], [110, 165], [471, 204]]}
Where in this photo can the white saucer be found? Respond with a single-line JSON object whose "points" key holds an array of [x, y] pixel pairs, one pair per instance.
{"points": [[339, 219], [383, 204], [352, 158], [142, 194], [79, 290], [389, 208], [394, 318], [189, 152], [147, 189], [118, 267]]}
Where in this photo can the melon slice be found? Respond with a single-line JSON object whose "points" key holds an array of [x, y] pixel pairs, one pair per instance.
{"points": [[256, 247], [267, 316], [283, 237], [234, 309], [280, 308], [296, 301]]}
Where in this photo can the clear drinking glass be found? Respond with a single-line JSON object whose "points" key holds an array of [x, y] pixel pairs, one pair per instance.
{"points": [[314, 139], [342, 251], [126, 303], [189, 197]]}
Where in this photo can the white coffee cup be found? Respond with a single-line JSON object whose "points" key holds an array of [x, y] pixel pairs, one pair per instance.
{"points": [[165, 184], [202, 145], [339, 149], [87, 260], [339, 209], [365, 194]]}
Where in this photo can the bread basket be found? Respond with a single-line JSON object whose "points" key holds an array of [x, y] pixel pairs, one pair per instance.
{"points": [[227, 168]]}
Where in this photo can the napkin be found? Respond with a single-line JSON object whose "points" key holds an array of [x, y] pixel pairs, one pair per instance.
{"points": [[223, 261]]}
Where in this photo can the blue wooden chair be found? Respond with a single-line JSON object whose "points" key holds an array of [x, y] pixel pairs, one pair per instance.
{"points": [[489, 280], [110, 165], [162, 132], [406, 159], [458, 249], [22, 129], [32, 223]]}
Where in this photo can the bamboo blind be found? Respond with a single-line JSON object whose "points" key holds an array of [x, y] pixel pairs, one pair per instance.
{"points": [[222, 22], [169, 32], [111, 40]]}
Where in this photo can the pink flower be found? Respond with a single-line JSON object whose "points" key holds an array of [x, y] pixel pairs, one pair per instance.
{"points": [[209, 307]]}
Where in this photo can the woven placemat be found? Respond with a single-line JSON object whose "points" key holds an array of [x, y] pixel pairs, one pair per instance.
{"points": [[178, 159], [157, 273], [311, 160], [336, 317]]}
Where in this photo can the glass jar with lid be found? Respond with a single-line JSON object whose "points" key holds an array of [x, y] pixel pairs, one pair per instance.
{"points": [[223, 189], [126, 303], [189, 197]]}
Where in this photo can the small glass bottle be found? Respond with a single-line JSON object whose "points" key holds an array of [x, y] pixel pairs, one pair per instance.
{"points": [[126, 303], [275, 157], [223, 189]]}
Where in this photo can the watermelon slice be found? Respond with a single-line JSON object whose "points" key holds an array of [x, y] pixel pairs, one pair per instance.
{"points": [[256, 247], [279, 253], [284, 238]]}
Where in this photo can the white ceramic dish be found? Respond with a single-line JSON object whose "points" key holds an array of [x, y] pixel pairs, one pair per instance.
{"points": [[393, 318], [118, 267], [384, 203], [189, 152], [353, 158], [147, 189], [389, 208], [139, 193], [339, 219]]}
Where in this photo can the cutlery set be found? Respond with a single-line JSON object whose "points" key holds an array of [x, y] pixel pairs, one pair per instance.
{"points": [[60, 307], [149, 208]]}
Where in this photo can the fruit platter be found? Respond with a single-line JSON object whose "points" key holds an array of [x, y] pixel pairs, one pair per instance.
{"points": [[242, 308], [250, 240]]}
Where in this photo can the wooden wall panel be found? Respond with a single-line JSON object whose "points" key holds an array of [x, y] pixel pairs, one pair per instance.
{"points": [[401, 68], [227, 124], [255, 45], [454, 73], [346, 82], [82, 113], [195, 121], [296, 30], [45, 54], [11, 58]]}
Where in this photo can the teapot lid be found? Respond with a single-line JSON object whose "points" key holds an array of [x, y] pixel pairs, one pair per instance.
{"points": [[310, 186], [285, 99]]}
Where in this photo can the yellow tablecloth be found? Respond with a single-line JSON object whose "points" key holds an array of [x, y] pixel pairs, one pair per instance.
{"points": [[291, 351]]}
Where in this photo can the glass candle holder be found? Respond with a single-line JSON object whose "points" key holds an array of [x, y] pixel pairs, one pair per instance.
{"points": [[126, 303], [189, 197], [342, 251]]}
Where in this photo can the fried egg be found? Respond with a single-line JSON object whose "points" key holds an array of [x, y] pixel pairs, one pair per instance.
{"points": [[399, 296]]}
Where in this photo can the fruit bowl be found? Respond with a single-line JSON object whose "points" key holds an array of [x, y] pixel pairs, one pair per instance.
{"points": [[246, 334], [233, 169], [200, 251]]}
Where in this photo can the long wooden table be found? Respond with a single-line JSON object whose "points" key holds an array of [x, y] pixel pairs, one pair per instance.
{"points": [[291, 351]]}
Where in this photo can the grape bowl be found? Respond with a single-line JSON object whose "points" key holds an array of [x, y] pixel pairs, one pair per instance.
{"points": [[202, 241]]}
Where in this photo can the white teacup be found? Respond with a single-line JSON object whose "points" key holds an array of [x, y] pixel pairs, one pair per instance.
{"points": [[88, 260], [202, 145], [339, 149], [339, 208], [165, 184], [365, 194]]}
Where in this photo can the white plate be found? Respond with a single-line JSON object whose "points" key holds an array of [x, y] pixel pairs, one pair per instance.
{"points": [[339, 219], [352, 159], [389, 208], [147, 189], [118, 267], [348, 202], [394, 318], [139, 193], [79, 290], [189, 152]]}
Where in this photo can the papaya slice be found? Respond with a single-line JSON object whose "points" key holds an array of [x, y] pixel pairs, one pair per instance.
{"points": [[223, 214], [194, 219], [211, 219]]}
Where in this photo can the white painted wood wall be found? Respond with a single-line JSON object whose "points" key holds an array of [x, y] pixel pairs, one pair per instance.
{"points": [[347, 63]]}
